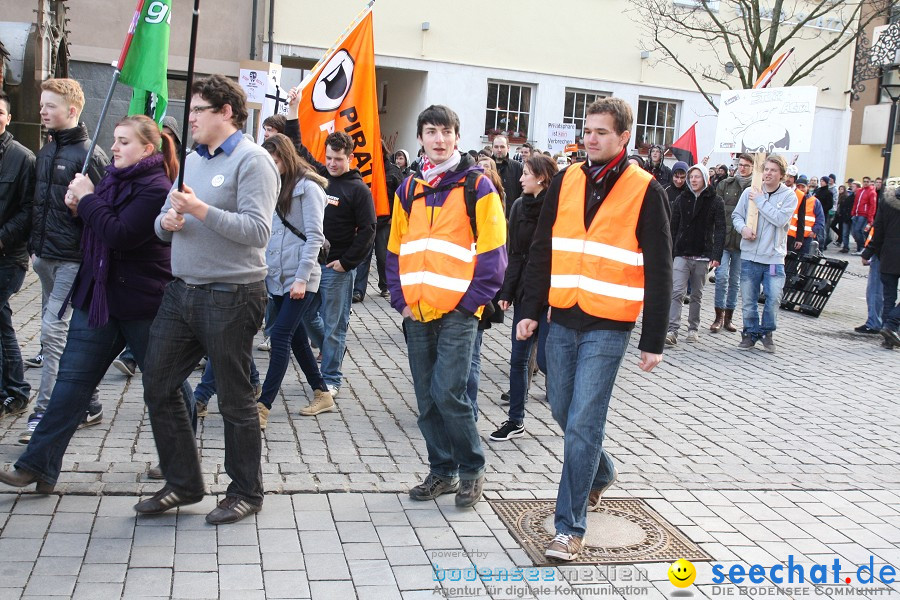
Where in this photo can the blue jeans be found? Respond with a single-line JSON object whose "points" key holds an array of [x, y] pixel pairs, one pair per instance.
{"points": [[12, 376], [771, 277], [845, 235], [520, 353], [87, 355], [328, 319], [728, 280], [874, 294], [193, 321], [475, 373], [382, 233], [581, 372], [440, 355], [858, 230], [288, 333], [891, 314], [206, 389], [270, 318]]}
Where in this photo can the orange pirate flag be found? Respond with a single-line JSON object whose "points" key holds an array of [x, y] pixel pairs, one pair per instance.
{"points": [[340, 95]]}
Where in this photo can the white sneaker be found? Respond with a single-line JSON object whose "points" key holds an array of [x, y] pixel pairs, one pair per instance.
{"points": [[334, 391], [265, 345], [692, 337]]}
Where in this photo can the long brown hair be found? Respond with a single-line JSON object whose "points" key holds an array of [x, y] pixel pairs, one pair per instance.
{"points": [[295, 169], [147, 132]]}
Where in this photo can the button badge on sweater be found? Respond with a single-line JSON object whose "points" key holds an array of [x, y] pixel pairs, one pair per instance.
{"points": [[218, 180]]}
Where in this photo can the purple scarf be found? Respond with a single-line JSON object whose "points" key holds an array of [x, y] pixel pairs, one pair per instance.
{"points": [[96, 252]]}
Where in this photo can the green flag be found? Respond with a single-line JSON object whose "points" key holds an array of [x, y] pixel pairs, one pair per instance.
{"points": [[147, 62]]}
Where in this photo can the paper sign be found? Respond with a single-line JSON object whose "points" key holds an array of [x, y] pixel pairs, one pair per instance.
{"points": [[559, 135], [766, 120]]}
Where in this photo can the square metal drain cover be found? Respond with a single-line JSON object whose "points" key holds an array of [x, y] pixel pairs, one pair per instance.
{"points": [[621, 532]]}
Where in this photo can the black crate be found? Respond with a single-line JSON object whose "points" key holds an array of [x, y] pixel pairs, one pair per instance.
{"points": [[809, 282]]}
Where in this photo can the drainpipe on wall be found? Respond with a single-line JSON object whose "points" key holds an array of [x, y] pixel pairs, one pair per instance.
{"points": [[271, 29], [253, 23]]}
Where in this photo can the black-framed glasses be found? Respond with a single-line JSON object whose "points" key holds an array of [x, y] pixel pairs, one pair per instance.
{"points": [[196, 110]]}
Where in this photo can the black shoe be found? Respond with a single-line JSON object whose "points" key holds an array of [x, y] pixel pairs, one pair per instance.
{"points": [[866, 329], [13, 406], [155, 472], [20, 478], [92, 416], [357, 297], [845, 250], [231, 510], [165, 499], [384, 294], [508, 431], [891, 337], [469, 492], [37, 362], [504, 398], [127, 366], [432, 487]]}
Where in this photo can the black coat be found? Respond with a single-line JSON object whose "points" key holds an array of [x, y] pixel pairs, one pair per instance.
{"points": [[886, 239], [826, 199], [16, 196], [510, 172], [523, 219], [55, 233], [698, 225]]}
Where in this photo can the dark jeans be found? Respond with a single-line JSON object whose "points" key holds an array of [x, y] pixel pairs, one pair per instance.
{"points": [[12, 376], [891, 315], [475, 373], [195, 321], [519, 363], [87, 355], [382, 233], [288, 334], [206, 389]]}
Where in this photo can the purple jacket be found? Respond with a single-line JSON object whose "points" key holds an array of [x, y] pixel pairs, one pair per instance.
{"points": [[119, 219]]}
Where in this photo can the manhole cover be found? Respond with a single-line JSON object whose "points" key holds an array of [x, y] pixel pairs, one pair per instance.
{"points": [[623, 531]]}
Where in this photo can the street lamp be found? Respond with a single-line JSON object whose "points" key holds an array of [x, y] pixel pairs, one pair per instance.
{"points": [[893, 91]]}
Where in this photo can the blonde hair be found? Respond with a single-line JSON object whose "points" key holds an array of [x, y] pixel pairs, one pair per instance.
{"points": [[69, 89], [777, 159]]}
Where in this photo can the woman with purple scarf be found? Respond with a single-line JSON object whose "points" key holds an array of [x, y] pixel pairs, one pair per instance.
{"points": [[117, 291]]}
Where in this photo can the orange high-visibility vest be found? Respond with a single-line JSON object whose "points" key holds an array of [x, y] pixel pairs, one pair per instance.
{"points": [[437, 255], [869, 237], [810, 216], [602, 268]]}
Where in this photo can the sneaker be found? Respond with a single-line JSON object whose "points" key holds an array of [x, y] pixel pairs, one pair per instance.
{"points": [[37, 362], [384, 294], [357, 297], [231, 510], [564, 547], [14, 406], [263, 415], [201, 364], [155, 472], [747, 342], [322, 402], [504, 398], [845, 250], [692, 337], [768, 343], [857, 253], [202, 409], [887, 345], [469, 492], [597, 495], [163, 500], [432, 487], [671, 339], [265, 345], [891, 336], [127, 366], [92, 417], [866, 329], [334, 391], [508, 431], [33, 421]]}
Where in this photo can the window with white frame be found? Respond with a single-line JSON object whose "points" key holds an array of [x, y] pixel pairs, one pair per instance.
{"points": [[575, 109], [508, 110], [655, 122]]}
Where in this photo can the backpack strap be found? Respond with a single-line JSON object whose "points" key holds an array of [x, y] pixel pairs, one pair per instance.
{"points": [[470, 192]]}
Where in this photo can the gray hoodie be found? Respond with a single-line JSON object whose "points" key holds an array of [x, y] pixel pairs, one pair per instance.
{"points": [[775, 212], [288, 257]]}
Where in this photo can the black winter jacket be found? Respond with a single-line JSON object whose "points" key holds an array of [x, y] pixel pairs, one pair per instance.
{"points": [[55, 233], [886, 239], [16, 196], [523, 219], [510, 172], [698, 225]]}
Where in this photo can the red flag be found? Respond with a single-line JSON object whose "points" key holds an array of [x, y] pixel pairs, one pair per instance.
{"points": [[685, 147], [341, 96]]}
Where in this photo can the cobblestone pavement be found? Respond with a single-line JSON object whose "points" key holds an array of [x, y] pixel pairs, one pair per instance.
{"points": [[753, 456]]}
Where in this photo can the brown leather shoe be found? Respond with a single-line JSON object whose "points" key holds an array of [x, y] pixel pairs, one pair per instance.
{"points": [[720, 320], [728, 325], [165, 499], [21, 478]]}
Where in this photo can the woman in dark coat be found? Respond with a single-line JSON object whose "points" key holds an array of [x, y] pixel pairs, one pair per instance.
{"points": [[523, 217], [117, 291]]}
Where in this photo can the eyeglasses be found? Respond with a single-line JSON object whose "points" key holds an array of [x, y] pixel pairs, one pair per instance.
{"points": [[196, 110], [744, 166]]}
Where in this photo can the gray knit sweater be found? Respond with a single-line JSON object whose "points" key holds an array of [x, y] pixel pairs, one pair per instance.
{"points": [[230, 246]]}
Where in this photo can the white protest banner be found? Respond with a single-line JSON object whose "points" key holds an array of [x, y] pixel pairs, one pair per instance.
{"points": [[558, 135], [766, 120]]}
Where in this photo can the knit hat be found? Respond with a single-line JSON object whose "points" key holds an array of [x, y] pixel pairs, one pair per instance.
{"points": [[680, 166]]}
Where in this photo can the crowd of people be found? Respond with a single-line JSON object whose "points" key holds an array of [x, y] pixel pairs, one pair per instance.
{"points": [[268, 237]]}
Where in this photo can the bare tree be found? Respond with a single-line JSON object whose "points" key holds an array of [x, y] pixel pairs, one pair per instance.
{"points": [[745, 36]]}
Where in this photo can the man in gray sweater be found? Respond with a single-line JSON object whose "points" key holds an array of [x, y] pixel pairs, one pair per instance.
{"points": [[763, 251], [219, 226]]}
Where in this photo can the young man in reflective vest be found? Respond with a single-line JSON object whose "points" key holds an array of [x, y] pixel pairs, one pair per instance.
{"points": [[602, 246], [803, 230], [446, 258]]}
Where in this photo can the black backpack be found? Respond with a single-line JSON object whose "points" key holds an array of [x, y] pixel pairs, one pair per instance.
{"points": [[470, 183]]}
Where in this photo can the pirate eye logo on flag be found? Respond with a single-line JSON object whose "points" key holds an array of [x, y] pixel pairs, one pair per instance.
{"points": [[334, 82]]}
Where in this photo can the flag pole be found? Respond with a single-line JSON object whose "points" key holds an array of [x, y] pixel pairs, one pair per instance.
{"points": [[112, 86], [338, 42], [187, 100]]}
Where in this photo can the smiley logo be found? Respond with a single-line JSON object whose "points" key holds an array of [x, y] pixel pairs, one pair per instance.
{"points": [[682, 573]]}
